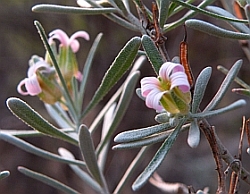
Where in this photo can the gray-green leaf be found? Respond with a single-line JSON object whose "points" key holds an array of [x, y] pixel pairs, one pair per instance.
{"points": [[158, 158], [49, 8], [152, 53], [29, 116], [215, 30], [200, 88], [120, 65], [88, 152]]}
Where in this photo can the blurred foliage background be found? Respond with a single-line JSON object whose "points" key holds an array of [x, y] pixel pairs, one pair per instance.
{"points": [[20, 40]]}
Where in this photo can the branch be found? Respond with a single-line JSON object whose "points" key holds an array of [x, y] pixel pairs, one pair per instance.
{"points": [[224, 153]]}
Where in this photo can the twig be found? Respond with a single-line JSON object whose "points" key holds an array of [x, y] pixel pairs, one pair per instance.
{"points": [[172, 188], [210, 135]]}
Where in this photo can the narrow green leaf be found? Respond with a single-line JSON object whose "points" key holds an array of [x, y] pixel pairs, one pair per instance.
{"points": [[156, 138], [215, 30], [29, 116], [225, 85], [137, 134], [37, 151], [188, 15], [88, 152], [137, 65], [47, 180], [30, 133], [79, 172], [121, 108], [59, 115], [158, 158], [138, 93], [206, 114], [162, 117], [194, 134], [120, 65], [175, 8], [198, 10], [242, 91], [237, 80], [238, 26], [107, 121], [152, 53], [50, 8], [126, 3], [4, 174], [87, 67], [130, 170], [120, 4], [247, 11], [200, 88], [163, 12]]}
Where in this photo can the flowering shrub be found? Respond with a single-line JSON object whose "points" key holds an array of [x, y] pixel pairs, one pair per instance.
{"points": [[172, 92]]}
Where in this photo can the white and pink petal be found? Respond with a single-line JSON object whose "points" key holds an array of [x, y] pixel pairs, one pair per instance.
{"points": [[59, 35], [32, 86], [148, 84], [179, 79], [153, 100]]}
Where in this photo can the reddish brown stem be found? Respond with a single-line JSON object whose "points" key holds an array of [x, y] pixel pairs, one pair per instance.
{"points": [[210, 135]]}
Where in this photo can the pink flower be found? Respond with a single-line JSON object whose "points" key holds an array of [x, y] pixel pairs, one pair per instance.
{"points": [[31, 83], [157, 91], [66, 41]]}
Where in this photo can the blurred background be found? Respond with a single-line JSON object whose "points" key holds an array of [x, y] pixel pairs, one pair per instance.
{"points": [[196, 167]]}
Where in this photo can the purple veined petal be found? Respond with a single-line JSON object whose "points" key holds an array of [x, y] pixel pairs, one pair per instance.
{"points": [[153, 100], [148, 84], [59, 35], [180, 79], [74, 43], [168, 68]]}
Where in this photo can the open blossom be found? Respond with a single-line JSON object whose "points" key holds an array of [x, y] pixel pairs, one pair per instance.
{"points": [[66, 52], [170, 91], [68, 41], [31, 83], [40, 81]]}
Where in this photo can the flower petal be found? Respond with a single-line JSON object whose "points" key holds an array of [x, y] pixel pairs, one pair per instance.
{"points": [[59, 35], [19, 87], [148, 84], [80, 34], [32, 86], [74, 43], [168, 68], [153, 100], [79, 76], [32, 69], [180, 79]]}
